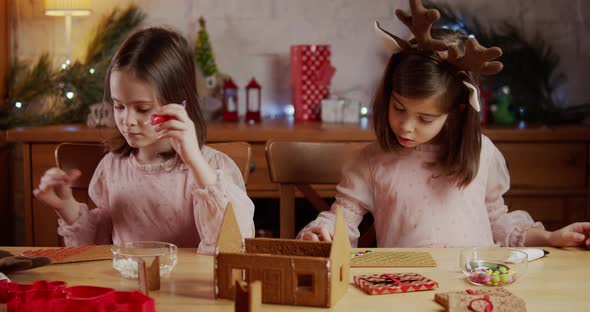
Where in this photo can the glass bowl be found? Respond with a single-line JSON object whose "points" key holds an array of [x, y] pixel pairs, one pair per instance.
{"points": [[493, 266], [125, 256]]}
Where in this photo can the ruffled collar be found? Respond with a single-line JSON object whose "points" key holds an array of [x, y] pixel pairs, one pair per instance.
{"points": [[429, 148], [422, 148], [172, 164]]}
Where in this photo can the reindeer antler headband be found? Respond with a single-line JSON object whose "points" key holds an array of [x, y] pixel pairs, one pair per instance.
{"points": [[475, 58]]}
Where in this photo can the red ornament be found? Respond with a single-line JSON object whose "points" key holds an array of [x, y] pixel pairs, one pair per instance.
{"points": [[230, 101], [253, 101], [485, 89], [311, 71]]}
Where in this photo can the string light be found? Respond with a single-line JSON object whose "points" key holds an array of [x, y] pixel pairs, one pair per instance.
{"points": [[458, 25], [70, 95], [289, 110], [64, 66], [68, 62], [18, 104], [364, 111], [91, 71]]}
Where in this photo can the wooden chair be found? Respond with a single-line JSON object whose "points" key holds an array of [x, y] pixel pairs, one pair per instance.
{"points": [[82, 156], [239, 152], [298, 165], [86, 156]]}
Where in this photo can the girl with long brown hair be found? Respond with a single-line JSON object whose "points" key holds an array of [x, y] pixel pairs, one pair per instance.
{"points": [[159, 181], [432, 179]]}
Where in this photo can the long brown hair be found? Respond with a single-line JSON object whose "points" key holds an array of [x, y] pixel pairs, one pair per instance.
{"points": [[419, 74], [164, 59]]}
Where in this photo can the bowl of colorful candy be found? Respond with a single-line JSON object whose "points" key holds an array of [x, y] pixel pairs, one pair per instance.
{"points": [[126, 255], [493, 266]]}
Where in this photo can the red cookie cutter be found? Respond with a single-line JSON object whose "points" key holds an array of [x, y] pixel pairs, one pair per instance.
{"points": [[55, 296]]}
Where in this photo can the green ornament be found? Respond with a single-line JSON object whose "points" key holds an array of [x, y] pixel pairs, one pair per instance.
{"points": [[500, 111]]}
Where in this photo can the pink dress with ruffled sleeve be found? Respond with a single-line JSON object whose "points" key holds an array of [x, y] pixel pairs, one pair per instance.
{"points": [[414, 208], [160, 202]]}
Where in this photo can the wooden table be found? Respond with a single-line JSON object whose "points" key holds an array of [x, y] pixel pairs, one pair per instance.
{"points": [[558, 282]]}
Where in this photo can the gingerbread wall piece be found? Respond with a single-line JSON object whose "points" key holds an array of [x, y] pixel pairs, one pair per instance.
{"points": [[148, 276], [230, 238], [248, 296]]}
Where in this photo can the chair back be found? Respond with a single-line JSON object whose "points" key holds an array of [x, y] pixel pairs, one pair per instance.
{"points": [[295, 164], [239, 152], [82, 156]]}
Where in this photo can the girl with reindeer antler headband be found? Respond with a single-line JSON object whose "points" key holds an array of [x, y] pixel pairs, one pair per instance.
{"points": [[432, 179]]}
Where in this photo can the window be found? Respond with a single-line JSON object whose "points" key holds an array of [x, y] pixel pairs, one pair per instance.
{"points": [[305, 282], [236, 275]]}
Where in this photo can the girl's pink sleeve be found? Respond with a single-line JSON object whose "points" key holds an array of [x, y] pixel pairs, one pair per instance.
{"points": [[508, 228], [354, 195], [94, 226], [210, 202]]}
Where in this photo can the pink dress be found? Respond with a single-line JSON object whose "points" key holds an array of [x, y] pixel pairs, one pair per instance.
{"points": [[412, 208], [160, 202]]}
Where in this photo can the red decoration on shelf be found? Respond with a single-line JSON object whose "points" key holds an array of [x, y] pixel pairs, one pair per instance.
{"points": [[230, 101], [311, 72], [485, 89], [253, 101]]}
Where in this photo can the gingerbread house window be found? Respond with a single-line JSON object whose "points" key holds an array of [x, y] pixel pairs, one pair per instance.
{"points": [[305, 282]]}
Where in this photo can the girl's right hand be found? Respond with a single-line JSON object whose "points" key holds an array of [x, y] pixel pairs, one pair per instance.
{"points": [[55, 190], [317, 233]]}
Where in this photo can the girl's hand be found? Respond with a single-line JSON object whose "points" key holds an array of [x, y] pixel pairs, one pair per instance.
{"points": [[54, 190], [575, 234], [180, 129], [317, 233]]}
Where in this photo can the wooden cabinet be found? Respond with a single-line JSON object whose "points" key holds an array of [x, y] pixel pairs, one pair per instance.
{"points": [[6, 215], [548, 166]]}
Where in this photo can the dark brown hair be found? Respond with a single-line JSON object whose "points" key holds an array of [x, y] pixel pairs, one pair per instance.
{"points": [[419, 74], [164, 59]]}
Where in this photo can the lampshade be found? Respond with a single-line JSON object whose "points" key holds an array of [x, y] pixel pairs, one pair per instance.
{"points": [[67, 7]]}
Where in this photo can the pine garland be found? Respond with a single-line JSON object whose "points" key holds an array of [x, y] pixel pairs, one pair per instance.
{"points": [[30, 83], [110, 32], [43, 82], [531, 66]]}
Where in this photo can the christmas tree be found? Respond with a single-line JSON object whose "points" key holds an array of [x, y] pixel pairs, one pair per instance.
{"points": [[203, 52]]}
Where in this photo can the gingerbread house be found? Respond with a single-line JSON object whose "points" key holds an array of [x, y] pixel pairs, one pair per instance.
{"points": [[292, 272]]}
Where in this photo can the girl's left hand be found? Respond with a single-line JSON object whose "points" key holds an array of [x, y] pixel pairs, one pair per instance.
{"points": [[575, 234], [180, 129]]}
